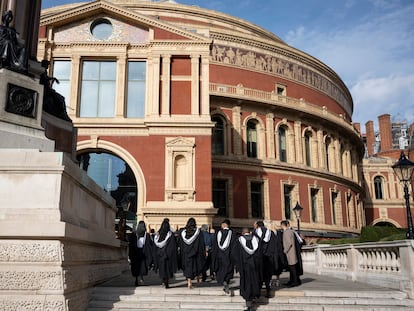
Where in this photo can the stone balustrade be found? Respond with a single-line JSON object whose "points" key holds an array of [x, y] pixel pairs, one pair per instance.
{"points": [[389, 264], [273, 98]]}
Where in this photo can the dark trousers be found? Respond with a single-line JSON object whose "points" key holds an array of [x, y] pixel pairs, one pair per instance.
{"points": [[294, 275]]}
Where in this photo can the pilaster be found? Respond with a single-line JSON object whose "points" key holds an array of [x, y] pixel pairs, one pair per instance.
{"points": [[270, 136], [120, 86], [74, 86], [237, 134], [298, 142], [166, 78], [195, 84]]}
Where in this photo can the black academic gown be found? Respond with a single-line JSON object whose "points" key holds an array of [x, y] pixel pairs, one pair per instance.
{"points": [[221, 255], [193, 255], [140, 258], [249, 267], [268, 250], [298, 248], [280, 256], [165, 257]]}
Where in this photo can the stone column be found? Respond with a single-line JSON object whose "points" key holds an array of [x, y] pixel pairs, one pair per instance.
{"points": [[166, 76], [270, 135], [120, 102], [298, 142], [205, 83], [337, 156], [237, 134], [195, 84], [321, 150], [75, 85]]}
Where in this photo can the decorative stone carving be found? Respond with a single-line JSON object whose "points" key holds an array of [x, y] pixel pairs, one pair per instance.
{"points": [[21, 101], [278, 66]]}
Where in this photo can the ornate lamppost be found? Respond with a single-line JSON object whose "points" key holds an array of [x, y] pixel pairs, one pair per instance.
{"points": [[403, 168], [298, 211]]}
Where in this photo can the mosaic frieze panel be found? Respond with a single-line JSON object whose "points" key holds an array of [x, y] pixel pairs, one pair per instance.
{"points": [[278, 66], [81, 32]]}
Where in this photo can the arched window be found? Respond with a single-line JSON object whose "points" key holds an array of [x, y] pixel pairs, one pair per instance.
{"points": [[378, 187], [115, 176], [217, 139], [308, 160], [282, 144], [252, 139]]}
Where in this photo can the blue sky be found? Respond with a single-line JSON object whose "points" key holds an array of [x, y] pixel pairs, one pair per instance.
{"points": [[369, 43]]}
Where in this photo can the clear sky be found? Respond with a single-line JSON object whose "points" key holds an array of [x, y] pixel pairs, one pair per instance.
{"points": [[369, 43]]}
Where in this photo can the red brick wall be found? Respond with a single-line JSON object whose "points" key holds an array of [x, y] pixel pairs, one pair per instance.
{"points": [[180, 97]]}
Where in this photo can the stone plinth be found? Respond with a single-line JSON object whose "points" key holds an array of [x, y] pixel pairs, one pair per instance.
{"points": [[21, 99], [57, 235]]}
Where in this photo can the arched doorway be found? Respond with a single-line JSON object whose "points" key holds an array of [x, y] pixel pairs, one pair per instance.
{"points": [[115, 176]]}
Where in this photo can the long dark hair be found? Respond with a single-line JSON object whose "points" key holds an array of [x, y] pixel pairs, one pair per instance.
{"points": [[164, 229], [190, 228], [141, 229]]}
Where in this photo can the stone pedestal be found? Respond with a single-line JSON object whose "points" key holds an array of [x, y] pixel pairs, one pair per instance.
{"points": [[57, 235], [21, 99]]}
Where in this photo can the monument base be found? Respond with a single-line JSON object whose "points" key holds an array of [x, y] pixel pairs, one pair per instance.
{"points": [[57, 236]]}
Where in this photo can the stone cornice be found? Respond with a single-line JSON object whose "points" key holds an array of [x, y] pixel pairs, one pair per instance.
{"points": [[90, 9]]}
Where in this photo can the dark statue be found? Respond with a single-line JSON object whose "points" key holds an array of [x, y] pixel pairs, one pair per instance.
{"points": [[12, 53], [53, 102]]}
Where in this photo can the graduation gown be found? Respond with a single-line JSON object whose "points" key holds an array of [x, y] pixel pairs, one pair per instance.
{"points": [[298, 249], [165, 256], [222, 263], [193, 253], [140, 257], [268, 251], [248, 262], [280, 256]]}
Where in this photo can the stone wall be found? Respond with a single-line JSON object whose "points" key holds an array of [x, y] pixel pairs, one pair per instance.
{"points": [[57, 235]]}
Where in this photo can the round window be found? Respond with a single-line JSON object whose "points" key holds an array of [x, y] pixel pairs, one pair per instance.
{"points": [[101, 29]]}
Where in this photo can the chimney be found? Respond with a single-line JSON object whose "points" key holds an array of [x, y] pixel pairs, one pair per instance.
{"points": [[369, 128], [357, 127], [385, 132]]}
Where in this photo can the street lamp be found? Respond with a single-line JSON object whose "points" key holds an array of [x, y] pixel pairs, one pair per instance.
{"points": [[403, 168], [298, 211]]}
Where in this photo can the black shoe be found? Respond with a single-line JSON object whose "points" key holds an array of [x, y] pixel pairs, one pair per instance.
{"points": [[136, 282], [288, 283], [294, 284]]}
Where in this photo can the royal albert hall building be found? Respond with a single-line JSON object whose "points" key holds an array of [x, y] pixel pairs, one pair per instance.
{"points": [[186, 112]]}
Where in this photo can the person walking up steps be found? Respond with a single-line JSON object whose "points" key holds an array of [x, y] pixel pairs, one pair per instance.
{"points": [[222, 251], [165, 253]]}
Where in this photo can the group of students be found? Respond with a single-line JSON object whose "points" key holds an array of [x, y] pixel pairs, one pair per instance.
{"points": [[257, 255]]}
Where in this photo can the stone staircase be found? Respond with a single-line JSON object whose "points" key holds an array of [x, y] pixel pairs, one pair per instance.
{"points": [[316, 293]]}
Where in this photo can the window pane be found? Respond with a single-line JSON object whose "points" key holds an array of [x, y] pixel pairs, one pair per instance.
{"points": [[136, 70], [108, 71], [220, 196], [256, 197], [89, 99], [61, 70], [98, 89], [90, 70], [287, 190], [136, 89], [106, 99], [136, 100]]}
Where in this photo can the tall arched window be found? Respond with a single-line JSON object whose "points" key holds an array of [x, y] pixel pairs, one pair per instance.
{"points": [[378, 187], [282, 144], [308, 160], [115, 176], [252, 139], [217, 140]]}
